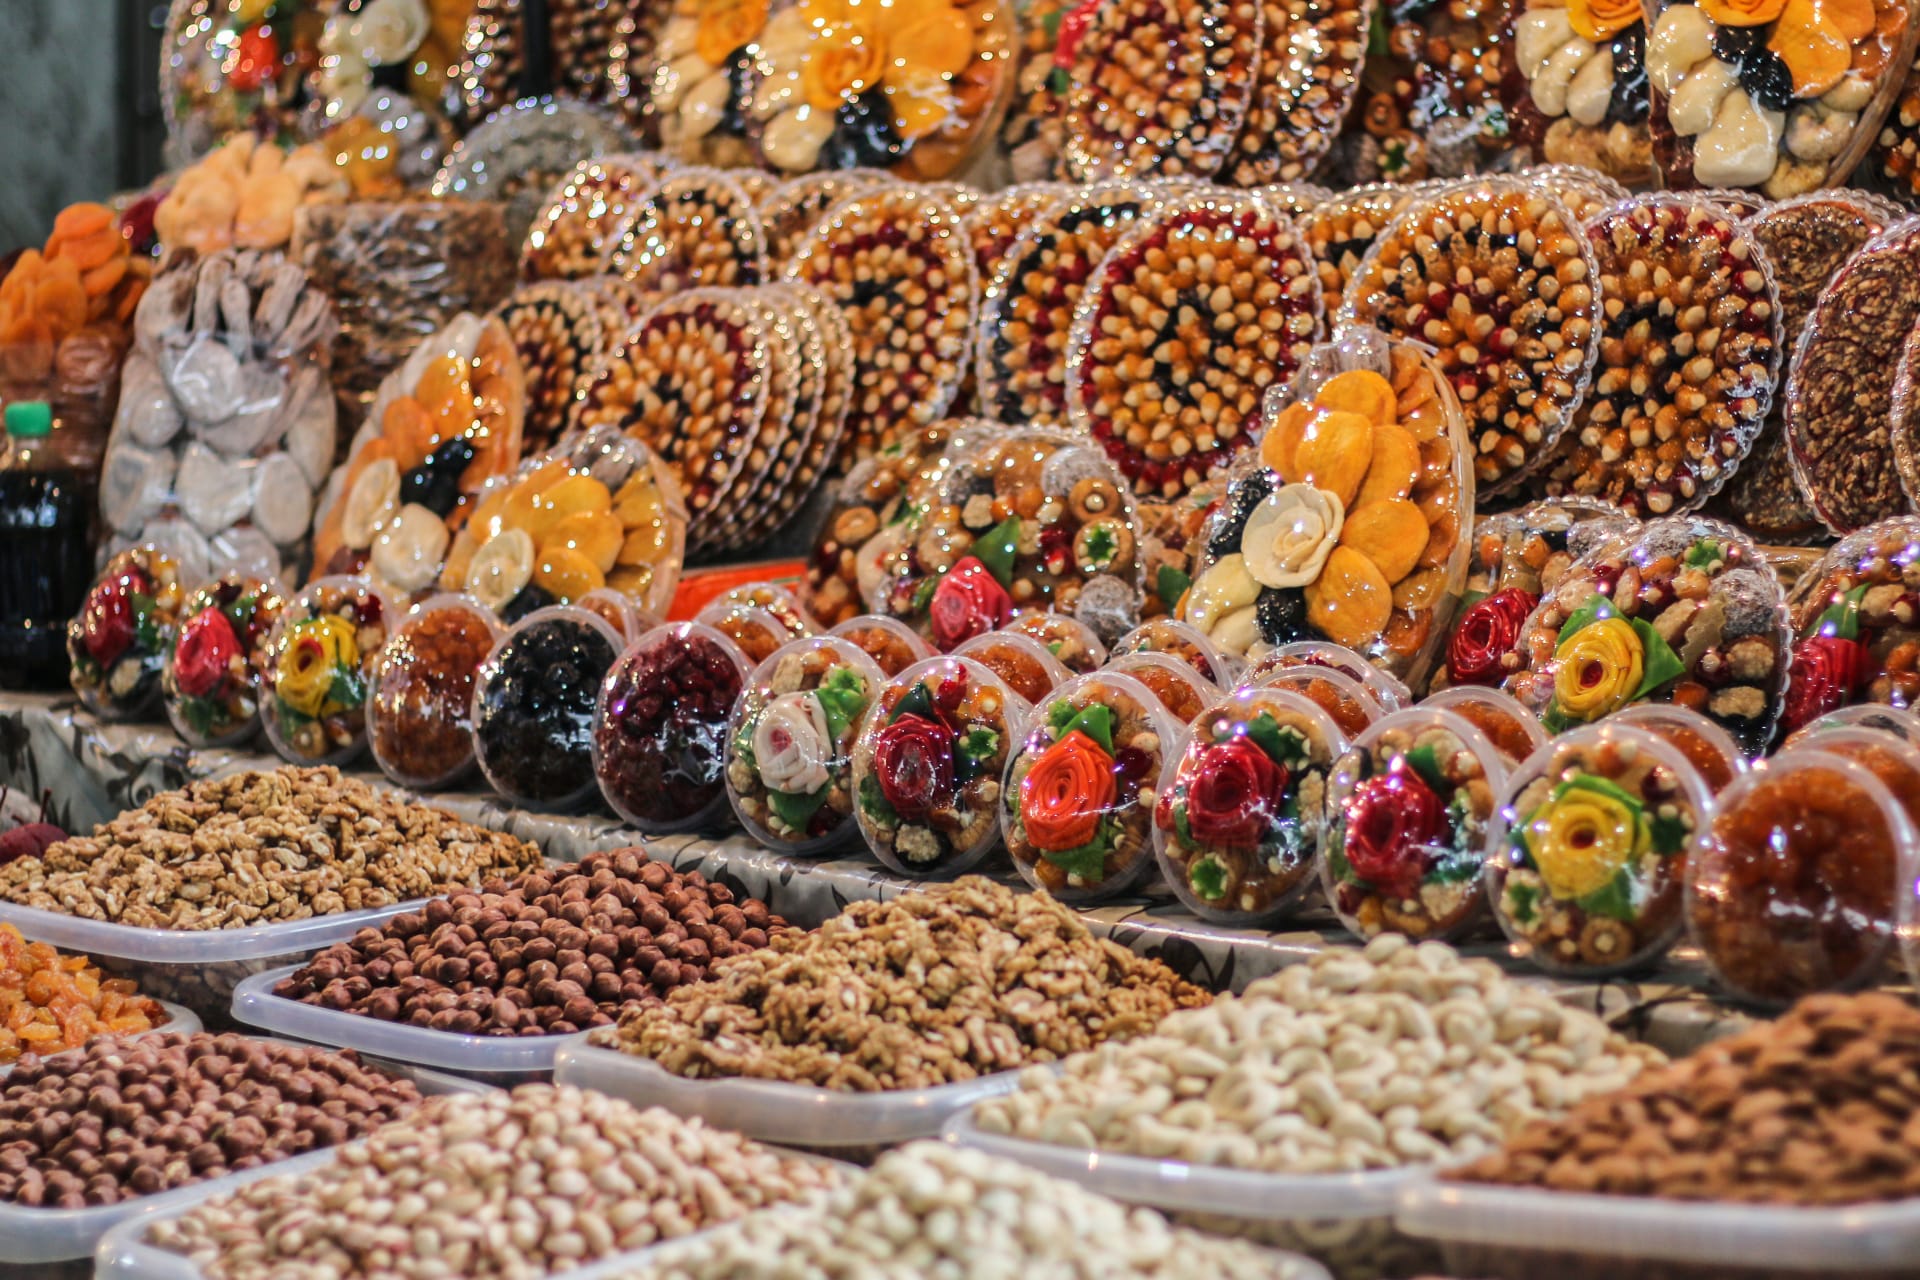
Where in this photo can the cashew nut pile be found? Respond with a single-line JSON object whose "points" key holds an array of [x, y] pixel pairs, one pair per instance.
{"points": [[937, 986], [492, 1185], [934, 1210], [1399, 1054]]}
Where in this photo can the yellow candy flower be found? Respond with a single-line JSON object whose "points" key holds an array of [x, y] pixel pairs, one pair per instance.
{"points": [[316, 651], [725, 25], [1581, 840], [1600, 667]]}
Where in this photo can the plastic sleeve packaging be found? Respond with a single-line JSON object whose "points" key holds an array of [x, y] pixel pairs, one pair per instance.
{"points": [[1575, 86]]}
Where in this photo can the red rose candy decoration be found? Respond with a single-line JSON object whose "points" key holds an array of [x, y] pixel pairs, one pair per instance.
{"points": [[1234, 794], [968, 602], [205, 653], [1825, 673], [1390, 817], [107, 620], [913, 761], [1487, 633]]}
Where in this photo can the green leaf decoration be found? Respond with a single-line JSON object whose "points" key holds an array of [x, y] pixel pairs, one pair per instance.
{"points": [[908, 513], [1600, 786], [1208, 878], [1523, 902], [1496, 125], [842, 697], [1658, 664], [1337, 860], [347, 689], [1100, 547], [1842, 617], [971, 752], [1059, 716], [1059, 82], [1050, 23], [1182, 827], [873, 801], [239, 611], [743, 746], [1468, 600], [917, 702], [997, 547], [1597, 608], [1456, 868], [1554, 720], [1613, 899], [797, 811], [1170, 584], [1088, 861], [1670, 834], [1377, 45], [1704, 554], [146, 633], [923, 595], [1283, 744], [198, 713], [1425, 761], [1096, 722]]}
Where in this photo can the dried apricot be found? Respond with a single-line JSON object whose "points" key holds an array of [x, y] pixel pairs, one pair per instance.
{"points": [[566, 573], [410, 431], [597, 535], [80, 221], [1395, 466], [1815, 52], [1336, 453], [1853, 19], [1360, 391], [1282, 441], [643, 546], [1350, 602], [1392, 533]]}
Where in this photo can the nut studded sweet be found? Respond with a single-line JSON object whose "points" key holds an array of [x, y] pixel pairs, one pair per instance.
{"points": [[898, 264], [585, 217], [1496, 276], [561, 338], [547, 953], [1690, 350], [255, 848], [697, 228], [531, 1183], [1840, 391], [1192, 316], [1339, 231], [124, 1118], [1814, 1109], [1309, 75], [946, 984], [1159, 87]]}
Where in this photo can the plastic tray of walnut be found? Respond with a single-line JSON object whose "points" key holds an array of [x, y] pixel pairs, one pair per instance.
{"points": [[1576, 86], [1496, 276], [1778, 97], [1690, 352], [1201, 307], [1354, 528], [1686, 612]]}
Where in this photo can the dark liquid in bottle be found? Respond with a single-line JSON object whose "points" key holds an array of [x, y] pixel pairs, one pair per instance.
{"points": [[45, 570]]}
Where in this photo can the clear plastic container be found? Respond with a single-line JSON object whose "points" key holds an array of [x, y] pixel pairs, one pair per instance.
{"points": [[782, 604], [659, 735], [1077, 805], [1854, 621], [1801, 878], [1712, 752], [1867, 715], [1349, 702], [120, 638], [756, 632], [217, 662], [1179, 640], [774, 1111], [936, 743], [1389, 692], [1409, 811], [1073, 643], [1020, 660], [1178, 686], [1894, 761], [1509, 1233], [321, 656], [794, 724], [1588, 849], [534, 707], [1242, 809], [420, 706], [1510, 727], [891, 643], [617, 610]]}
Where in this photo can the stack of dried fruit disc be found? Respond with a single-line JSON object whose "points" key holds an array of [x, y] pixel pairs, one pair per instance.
{"points": [[794, 207], [697, 227], [1308, 78], [898, 264], [1193, 315], [561, 334], [994, 223], [586, 216]]}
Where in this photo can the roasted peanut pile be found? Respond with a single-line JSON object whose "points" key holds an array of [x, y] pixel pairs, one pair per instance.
{"points": [[492, 1185], [1821, 1107], [932, 1210], [933, 987], [1399, 1054], [257, 848]]}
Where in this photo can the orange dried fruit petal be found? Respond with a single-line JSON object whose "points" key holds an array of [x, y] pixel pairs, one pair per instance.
{"points": [[1814, 51], [92, 251], [643, 546], [445, 381], [78, 221], [633, 579], [1853, 19], [1350, 602], [410, 431], [1360, 391], [1392, 533], [1281, 444], [102, 279], [575, 494], [597, 535], [566, 573], [1395, 466], [1336, 453]]}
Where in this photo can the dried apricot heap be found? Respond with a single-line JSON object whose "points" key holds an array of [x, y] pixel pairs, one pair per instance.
{"points": [[53, 1002]]}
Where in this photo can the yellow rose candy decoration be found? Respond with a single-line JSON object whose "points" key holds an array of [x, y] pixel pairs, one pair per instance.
{"points": [[846, 60], [1602, 20], [725, 25], [1732, 13], [1600, 668], [315, 652], [1580, 840]]}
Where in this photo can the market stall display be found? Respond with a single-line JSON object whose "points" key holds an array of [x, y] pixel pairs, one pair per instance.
{"points": [[659, 730], [119, 641], [579, 51], [1576, 87], [217, 665], [420, 691]]}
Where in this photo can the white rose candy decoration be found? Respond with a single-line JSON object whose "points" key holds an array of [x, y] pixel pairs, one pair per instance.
{"points": [[792, 744], [1290, 535], [386, 31]]}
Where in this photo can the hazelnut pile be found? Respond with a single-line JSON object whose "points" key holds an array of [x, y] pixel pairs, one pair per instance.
{"points": [[1814, 1109], [1690, 349], [1497, 277], [124, 1118], [1182, 329], [898, 264], [255, 848], [561, 337], [948, 984], [697, 227], [551, 952]]}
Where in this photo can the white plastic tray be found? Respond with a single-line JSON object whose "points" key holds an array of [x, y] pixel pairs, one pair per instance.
{"points": [[496, 1056], [194, 946], [1177, 1186], [57, 1235], [1625, 1235], [786, 1114], [179, 1018]]}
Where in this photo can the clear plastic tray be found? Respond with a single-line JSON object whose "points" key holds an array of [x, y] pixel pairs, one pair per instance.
{"points": [[179, 1018], [772, 1111], [1507, 1231], [58, 1235], [497, 1058]]}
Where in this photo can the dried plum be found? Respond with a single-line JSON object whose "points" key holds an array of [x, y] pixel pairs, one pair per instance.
{"points": [[1282, 613]]}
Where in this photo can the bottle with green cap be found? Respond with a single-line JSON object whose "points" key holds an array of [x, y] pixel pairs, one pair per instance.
{"points": [[46, 547]]}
